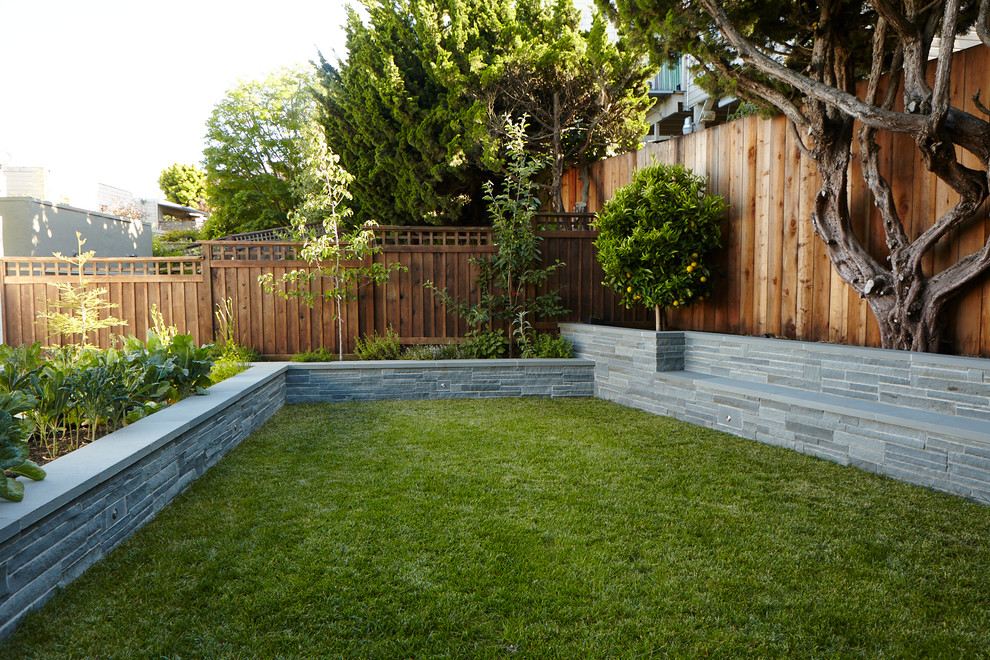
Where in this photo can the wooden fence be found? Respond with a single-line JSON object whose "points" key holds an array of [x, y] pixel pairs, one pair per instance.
{"points": [[187, 291], [778, 279]]}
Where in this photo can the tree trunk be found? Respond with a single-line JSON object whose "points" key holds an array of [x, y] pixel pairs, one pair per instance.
{"points": [[557, 166], [661, 318], [584, 173]]}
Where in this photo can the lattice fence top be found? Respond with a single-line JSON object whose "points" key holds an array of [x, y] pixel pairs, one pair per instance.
{"points": [[129, 267], [433, 236], [250, 251]]}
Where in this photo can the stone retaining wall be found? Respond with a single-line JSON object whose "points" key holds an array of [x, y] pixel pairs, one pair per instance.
{"points": [[917, 417], [99, 495], [442, 379]]}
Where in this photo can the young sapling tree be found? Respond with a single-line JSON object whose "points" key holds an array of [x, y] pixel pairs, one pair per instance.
{"points": [[508, 278], [344, 258], [80, 309]]}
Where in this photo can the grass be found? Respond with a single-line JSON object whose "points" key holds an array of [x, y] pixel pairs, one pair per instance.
{"points": [[529, 528]]}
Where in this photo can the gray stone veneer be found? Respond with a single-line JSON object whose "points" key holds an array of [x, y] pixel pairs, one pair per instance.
{"points": [[917, 417], [97, 496], [100, 494], [444, 379]]}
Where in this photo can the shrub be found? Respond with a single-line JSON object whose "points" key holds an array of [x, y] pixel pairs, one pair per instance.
{"points": [[177, 235], [547, 345], [485, 344], [230, 360], [434, 352], [376, 347], [656, 238], [321, 354]]}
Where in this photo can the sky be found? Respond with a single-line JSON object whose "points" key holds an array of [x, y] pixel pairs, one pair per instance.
{"points": [[114, 91]]}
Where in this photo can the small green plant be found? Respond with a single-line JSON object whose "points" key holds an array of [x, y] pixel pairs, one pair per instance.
{"points": [[52, 389], [545, 345], [657, 237], [80, 309], [533, 344], [230, 358], [434, 352], [377, 347], [226, 322], [18, 365], [508, 278], [485, 344], [14, 452], [321, 354], [166, 333]]}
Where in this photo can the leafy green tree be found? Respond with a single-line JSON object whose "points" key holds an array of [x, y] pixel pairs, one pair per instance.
{"points": [[184, 184], [805, 59], [656, 238], [253, 152], [584, 94]]}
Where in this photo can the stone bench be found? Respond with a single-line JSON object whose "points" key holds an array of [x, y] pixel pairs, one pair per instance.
{"points": [[917, 417]]}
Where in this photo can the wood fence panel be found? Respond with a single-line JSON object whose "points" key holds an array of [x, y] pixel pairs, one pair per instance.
{"points": [[779, 278]]}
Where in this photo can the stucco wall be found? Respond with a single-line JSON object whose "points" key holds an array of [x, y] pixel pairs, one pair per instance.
{"points": [[32, 228]]}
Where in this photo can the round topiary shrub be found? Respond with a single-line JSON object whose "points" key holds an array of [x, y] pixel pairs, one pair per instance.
{"points": [[656, 238]]}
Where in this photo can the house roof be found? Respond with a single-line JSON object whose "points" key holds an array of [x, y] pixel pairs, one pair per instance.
{"points": [[179, 211]]}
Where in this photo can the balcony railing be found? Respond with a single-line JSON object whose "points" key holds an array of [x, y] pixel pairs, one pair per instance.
{"points": [[667, 80]]}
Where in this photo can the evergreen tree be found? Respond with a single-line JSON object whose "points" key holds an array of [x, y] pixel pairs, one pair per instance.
{"points": [[416, 111]]}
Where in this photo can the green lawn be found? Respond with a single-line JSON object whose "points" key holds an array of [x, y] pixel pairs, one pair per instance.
{"points": [[529, 528]]}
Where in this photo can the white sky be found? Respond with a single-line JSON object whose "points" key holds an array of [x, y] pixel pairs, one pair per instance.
{"points": [[114, 91]]}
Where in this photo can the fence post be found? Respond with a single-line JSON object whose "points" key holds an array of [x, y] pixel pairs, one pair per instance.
{"points": [[207, 330], [3, 303]]}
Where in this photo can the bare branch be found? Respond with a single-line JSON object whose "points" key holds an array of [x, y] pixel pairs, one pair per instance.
{"points": [[946, 283], [972, 188], [982, 27], [979, 104], [905, 29], [869, 154], [898, 122], [800, 140], [940, 94], [764, 94]]}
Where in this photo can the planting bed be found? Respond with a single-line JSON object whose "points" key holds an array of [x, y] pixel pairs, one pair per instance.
{"points": [[98, 495]]}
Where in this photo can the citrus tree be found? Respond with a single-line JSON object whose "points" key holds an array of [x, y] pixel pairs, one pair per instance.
{"points": [[656, 238]]}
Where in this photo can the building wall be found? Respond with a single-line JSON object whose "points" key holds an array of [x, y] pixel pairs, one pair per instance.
{"points": [[32, 228], [26, 182]]}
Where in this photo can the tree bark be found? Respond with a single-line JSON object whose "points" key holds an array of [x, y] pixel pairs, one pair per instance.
{"points": [[908, 303], [584, 174], [557, 166]]}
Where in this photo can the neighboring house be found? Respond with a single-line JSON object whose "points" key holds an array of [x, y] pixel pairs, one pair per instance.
{"points": [[165, 216], [37, 219], [30, 227], [40, 214], [680, 106]]}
